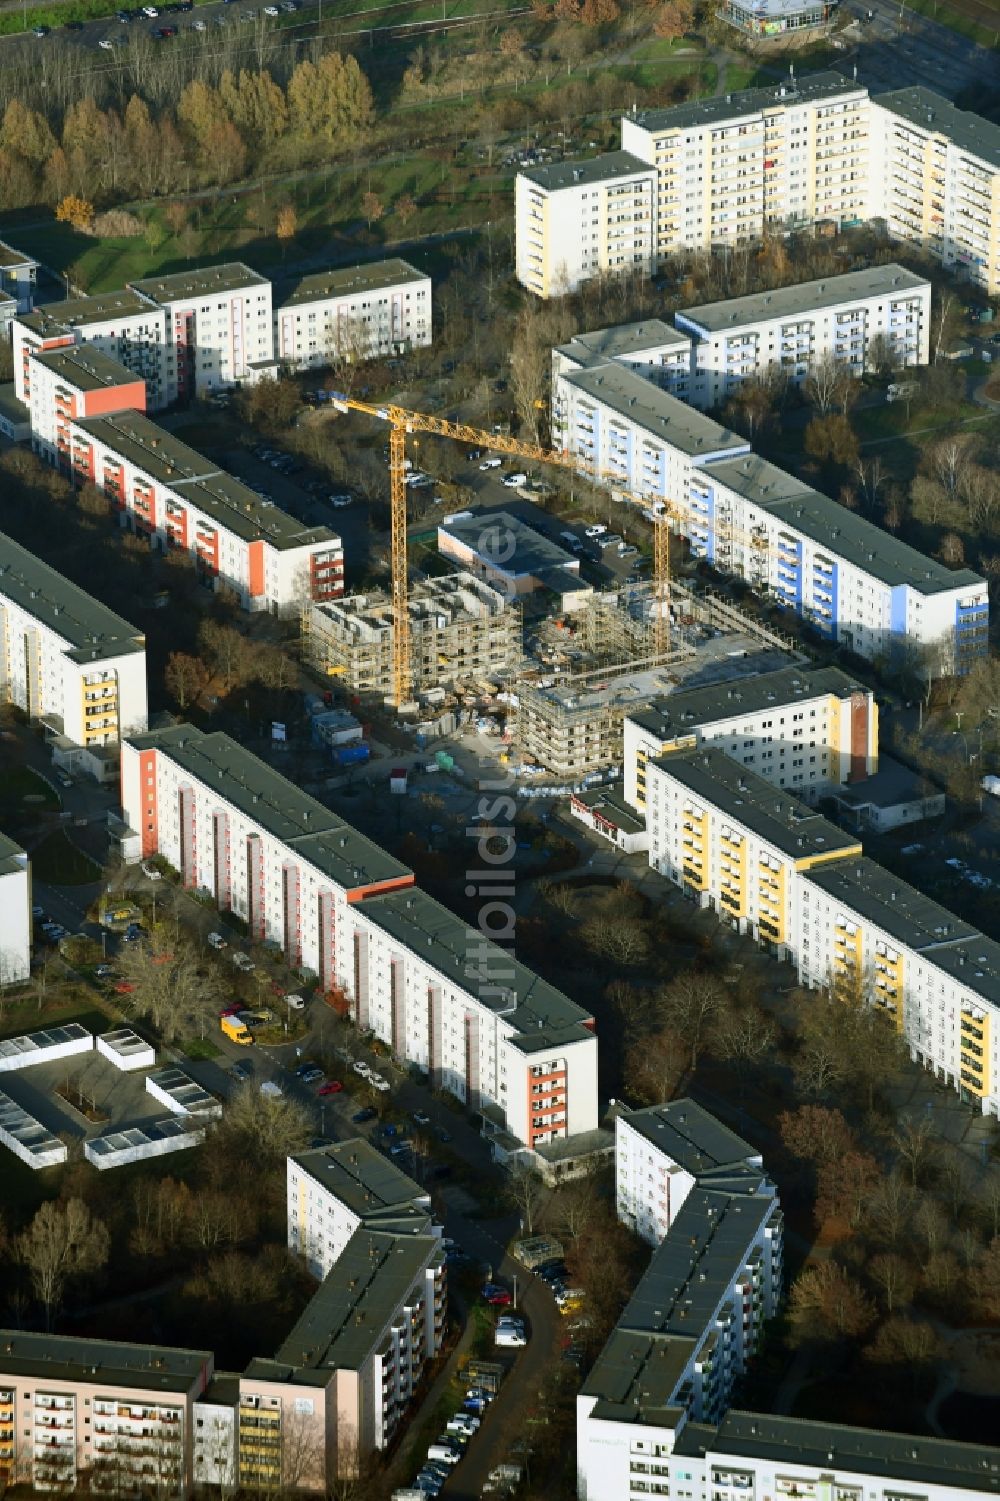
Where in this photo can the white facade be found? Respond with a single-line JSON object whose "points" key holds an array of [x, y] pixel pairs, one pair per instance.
{"points": [[935, 175], [139, 1143], [730, 168], [579, 220], [798, 728], [27, 1138], [360, 312], [218, 328], [169, 493], [44, 1047], [333, 1191], [15, 913], [214, 1424], [345, 910], [126, 1050], [125, 326], [793, 329], [66, 659]]}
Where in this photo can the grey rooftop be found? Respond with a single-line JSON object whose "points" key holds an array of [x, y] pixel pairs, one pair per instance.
{"points": [[92, 631], [804, 297], [611, 167]]}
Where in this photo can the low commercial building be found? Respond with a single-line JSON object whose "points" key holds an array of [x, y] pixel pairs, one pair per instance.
{"points": [[167, 492], [44, 1047], [885, 311], [607, 813], [577, 220], [442, 996], [461, 629], [15, 913], [763, 19], [513, 558], [735, 843], [800, 728], [334, 1191], [116, 1417], [353, 313], [36, 1147], [892, 797], [67, 660], [139, 1143]]}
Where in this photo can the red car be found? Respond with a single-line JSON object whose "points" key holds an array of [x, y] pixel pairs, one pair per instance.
{"points": [[232, 1010], [124, 988], [332, 1086], [499, 1299], [277, 989]]}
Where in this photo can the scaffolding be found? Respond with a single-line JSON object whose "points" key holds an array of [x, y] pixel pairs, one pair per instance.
{"points": [[460, 630]]}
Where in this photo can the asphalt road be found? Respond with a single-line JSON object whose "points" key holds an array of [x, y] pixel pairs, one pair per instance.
{"points": [[899, 48]]}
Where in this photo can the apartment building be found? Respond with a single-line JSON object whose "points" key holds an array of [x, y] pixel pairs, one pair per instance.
{"points": [[461, 629], [732, 168], [15, 913], [444, 997], [339, 1385], [336, 1190], [665, 1151], [126, 326], [68, 662], [735, 843], [935, 180], [861, 928], [353, 313], [116, 1417], [578, 220], [167, 492], [76, 381], [791, 329], [853, 582], [652, 348], [696, 1316], [17, 284], [218, 329], [637, 436], [806, 729]]}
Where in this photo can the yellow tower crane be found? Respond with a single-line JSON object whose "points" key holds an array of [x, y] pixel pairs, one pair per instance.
{"points": [[401, 421]]}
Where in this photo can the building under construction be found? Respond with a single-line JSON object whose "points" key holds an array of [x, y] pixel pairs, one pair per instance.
{"points": [[461, 630]]}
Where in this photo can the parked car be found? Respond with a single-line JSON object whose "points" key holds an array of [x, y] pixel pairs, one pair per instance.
{"points": [[510, 1339], [244, 962], [216, 941], [150, 871], [241, 1070], [421, 1118], [309, 1072], [515, 481], [597, 530], [491, 464], [361, 1116], [497, 1297], [332, 1086], [104, 971]]}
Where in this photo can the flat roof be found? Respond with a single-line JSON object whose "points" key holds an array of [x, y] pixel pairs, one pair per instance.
{"points": [[86, 367], [529, 1004], [371, 1277], [200, 282], [92, 631], [124, 1042], [12, 856], [779, 818], [11, 407], [685, 711], [664, 416], [593, 169], [803, 297], [366, 1182], [150, 1134], [76, 312], [859, 542], [218, 495], [348, 281], [268, 799], [487, 533], [691, 1136], [936, 115], [613, 807], [184, 1090], [793, 91], [626, 338], [892, 784], [102, 1362], [900, 1457], [916, 921], [30, 1043], [11, 258], [29, 1133]]}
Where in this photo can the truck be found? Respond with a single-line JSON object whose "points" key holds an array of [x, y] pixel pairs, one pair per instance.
{"points": [[236, 1030]]}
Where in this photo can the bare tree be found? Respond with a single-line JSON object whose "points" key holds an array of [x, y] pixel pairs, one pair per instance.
{"points": [[654, 1066], [893, 1276], [827, 1304], [259, 1128], [526, 1193], [63, 1242], [744, 1038], [914, 1140], [689, 1006], [826, 382]]}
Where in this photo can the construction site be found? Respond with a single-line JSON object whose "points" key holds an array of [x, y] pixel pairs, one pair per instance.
{"points": [[461, 631]]}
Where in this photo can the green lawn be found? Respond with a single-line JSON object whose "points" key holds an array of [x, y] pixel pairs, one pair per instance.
{"points": [[966, 21], [199, 1047], [58, 862], [24, 1014]]}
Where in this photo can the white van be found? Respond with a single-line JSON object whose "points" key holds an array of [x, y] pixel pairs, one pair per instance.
{"points": [[444, 1454]]}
